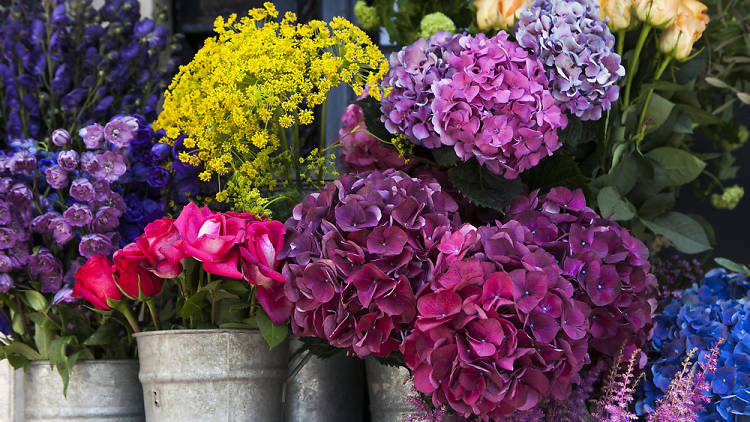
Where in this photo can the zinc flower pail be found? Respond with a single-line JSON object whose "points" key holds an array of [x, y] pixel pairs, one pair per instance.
{"points": [[98, 391], [216, 375], [388, 387]]}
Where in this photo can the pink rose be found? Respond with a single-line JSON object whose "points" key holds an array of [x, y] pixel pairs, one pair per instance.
{"points": [[274, 302], [161, 245], [95, 284], [131, 274], [211, 238], [263, 240]]}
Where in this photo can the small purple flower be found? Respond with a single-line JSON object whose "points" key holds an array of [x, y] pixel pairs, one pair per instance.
{"points": [[82, 190], [41, 224], [143, 28], [111, 166], [160, 152], [48, 269], [93, 136], [120, 131], [106, 220], [65, 294], [6, 264], [78, 215], [95, 244], [62, 232], [7, 238], [19, 195], [157, 177], [56, 177], [67, 160], [22, 162], [88, 162], [102, 190], [6, 283], [4, 213], [61, 137]]}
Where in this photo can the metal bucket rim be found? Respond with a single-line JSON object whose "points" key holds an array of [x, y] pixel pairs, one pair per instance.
{"points": [[197, 331], [91, 362]]}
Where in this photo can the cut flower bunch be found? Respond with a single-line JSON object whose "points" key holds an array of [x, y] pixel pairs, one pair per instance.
{"points": [[243, 98]]}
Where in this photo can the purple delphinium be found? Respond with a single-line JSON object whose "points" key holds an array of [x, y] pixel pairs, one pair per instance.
{"points": [[78, 215], [120, 131], [110, 166], [67, 160], [60, 137], [95, 244], [577, 50], [6, 282], [93, 136], [82, 190], [57, 178]]}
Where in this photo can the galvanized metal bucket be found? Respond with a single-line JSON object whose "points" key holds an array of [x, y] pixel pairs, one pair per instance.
{"points": [[211, 375], [98, 391], [324, 390], [388, 386]]}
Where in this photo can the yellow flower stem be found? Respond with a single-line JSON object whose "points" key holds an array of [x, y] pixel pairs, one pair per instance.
{"points": [[620, 42], [322, 138], [641, 128], [285, 146], [634, 63]]}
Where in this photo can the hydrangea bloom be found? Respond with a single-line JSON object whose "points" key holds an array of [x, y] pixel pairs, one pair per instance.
{"points": [[360, 151], [718, 307], [577, 49], [356, 253], [489, 100], [413, 70]]}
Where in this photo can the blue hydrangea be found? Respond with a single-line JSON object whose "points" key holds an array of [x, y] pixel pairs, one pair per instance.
{"points": [[577, 50], [719, 307]]}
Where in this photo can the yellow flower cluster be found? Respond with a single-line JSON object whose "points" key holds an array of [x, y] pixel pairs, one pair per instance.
{"points": [[258, 77]]}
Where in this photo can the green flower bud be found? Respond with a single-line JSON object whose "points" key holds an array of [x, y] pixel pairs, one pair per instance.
{"points": [[434, 23], [729, 199], [367, 16]]}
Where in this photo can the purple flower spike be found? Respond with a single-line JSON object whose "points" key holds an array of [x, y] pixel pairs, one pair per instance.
{"points": [[95, 244], [111, 165], [78, 215], [82, 190], [67, 160], [62, 232], [577, 49], [22, 162], [106, 220], [56, 177]]}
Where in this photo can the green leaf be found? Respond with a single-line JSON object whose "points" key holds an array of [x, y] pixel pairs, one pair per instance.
{"points": [[666, 86], [682, 166], [36, 300], [211, 286], [274, 334], [613, 206], [193, 305], [657, 204], [558, 170], [21, 349], [658, 112], [42, 338], [59, 359], [743, 97], [686, 234], [716, 82], [445, 156], [700, 116], [733, 266], [482, 187], [103, 335]]}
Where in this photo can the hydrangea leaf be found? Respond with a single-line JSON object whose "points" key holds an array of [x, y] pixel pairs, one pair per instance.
{"points": [[558, 170], [274, 334], [445, 156], [372, 113], [682, 166], [613, 206], [686, 234], [482, 187]]}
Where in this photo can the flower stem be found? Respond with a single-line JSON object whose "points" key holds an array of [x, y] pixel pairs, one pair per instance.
{"points": [[154, 315], [634, 63], [641, 128], [322, 139], [123, 308], [620, 42]]}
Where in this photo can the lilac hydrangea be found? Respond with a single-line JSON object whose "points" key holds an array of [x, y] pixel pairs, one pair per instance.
{"points": [[487, 98], [577, 50], [413, 70]]}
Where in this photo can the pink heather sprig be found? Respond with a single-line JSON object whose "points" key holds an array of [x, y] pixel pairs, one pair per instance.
{"points": [[574, 408], [618, 389], [686, 396], [424, 412]]}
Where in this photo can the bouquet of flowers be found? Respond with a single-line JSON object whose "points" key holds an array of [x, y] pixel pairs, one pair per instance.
{"points": [[211, 266]]}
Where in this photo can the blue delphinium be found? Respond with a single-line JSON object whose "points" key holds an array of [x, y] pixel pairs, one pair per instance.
{"points": [[718, 307], [65, 63], [577, 50]]}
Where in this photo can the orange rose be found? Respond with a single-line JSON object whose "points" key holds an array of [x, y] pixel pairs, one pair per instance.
{"points": [[678, 38], [619, 12], [498, 13], [657, 13]]}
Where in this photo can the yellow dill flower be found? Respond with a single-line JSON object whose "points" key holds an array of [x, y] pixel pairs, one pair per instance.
{"points": [[240, 101]]}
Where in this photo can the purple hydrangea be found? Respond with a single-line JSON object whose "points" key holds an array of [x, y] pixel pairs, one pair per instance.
{"points": [[407, 108], [360, 151], [67, 160], [577, 49], [357, 251]]}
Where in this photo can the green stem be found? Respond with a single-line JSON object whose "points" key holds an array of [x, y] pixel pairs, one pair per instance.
{"points": [[322, 139], [641, 120], [621, 42], [715, 179], [634, 63], [154, 315], [123, 308]]}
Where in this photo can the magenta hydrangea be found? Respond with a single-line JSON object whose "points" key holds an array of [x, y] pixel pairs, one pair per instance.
{"points": [[360, 151], [489, 100], [608, 266], [357, 251]]}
